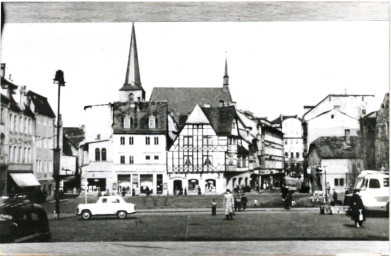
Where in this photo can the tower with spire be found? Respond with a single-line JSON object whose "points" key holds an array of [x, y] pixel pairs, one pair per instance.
{"points": [[226, 77], [132, 89]]}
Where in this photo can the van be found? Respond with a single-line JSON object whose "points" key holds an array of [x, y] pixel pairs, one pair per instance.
{"points": [[374, 189]]}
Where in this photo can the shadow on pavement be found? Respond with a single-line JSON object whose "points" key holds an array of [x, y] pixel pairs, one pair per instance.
{"points": [[109, 218]]}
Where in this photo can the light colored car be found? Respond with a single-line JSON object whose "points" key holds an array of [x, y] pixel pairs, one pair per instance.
{"points": [[374, 189], [106, 205]]}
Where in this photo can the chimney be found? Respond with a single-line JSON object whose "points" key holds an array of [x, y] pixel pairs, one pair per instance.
{"points": [[347, 137], [206, 105]]}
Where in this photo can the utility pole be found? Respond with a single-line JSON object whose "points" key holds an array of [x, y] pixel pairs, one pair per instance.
{"points": [[58, 79]]}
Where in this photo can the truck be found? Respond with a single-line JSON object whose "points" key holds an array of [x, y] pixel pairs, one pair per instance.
{"points": [[106, 205]]}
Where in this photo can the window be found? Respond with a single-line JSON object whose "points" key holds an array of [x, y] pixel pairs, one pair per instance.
{"points": [[286, 154], [147, 140], [231, 141], [156, 157], [122, 159], [97, 154], [297, 142], [374, 183], [147, 157], [386, 182], [297, 154], [291, 154], [233, 125], [286, 142], [339, 182], [207, 140], [26, 125], [103, 154], [122, 140], [207, 160], [363, 111], [131, 140], [104, 200], [187, 140], [332, 116], [156, 140], [152, 122], [131, 160], [20, 124], [131, 97]]}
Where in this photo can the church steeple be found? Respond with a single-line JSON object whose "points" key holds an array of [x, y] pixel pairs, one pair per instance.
{"points": [[132, 89], [226, 77]]}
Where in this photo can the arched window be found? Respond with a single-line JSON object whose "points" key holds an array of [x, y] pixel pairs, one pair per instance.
{"points": [[103, 154], [131, 97], [97, 154], [210, 185]]}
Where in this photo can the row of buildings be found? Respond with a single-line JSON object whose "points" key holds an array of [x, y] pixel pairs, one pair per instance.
{"points": [[27, 132], [189, 140]]}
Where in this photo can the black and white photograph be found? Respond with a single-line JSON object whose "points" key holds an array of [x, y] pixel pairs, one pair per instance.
{"points": [[195, 128]]}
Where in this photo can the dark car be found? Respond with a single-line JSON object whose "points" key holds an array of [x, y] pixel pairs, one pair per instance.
{"points": [[23, 221]]}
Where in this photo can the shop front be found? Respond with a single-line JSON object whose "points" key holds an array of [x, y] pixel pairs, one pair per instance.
{"points": [[139, 184]]}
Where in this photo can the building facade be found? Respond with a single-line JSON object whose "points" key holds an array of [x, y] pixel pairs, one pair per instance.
{"points": [[292, 128], [335, 160], [139, 147]]}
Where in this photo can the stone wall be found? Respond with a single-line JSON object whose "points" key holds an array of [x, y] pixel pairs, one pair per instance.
{"points": [[382, 135]]}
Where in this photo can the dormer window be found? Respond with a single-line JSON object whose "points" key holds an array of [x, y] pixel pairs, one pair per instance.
{"points": [[126, 122], [152, 122]]}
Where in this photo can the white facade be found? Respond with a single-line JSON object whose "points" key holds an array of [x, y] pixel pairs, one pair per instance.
{"points": [[140, 162], [98, 120], [293, 139]]}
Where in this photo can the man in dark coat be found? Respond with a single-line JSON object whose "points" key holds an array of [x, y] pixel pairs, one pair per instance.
{"points": [[357, 209], [288, 200]]}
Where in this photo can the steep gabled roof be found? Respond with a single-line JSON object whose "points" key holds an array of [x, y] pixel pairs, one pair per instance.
{"points": [[328, 111], [140, 112], [181, 101], [221, 119], [335, 147], [41, 104], [282, 118], [337, 95], [7, 84]]}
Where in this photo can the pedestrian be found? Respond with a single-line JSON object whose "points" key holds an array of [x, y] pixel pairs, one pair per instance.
{"points": [[228, 204], [335, 197], [328, 188], [284, 191], [244, 202], [214, 205], [147, 191], [238, 202], [357, 209], [199, 190], [288, 200]]}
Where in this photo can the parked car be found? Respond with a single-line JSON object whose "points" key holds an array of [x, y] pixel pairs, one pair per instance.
{"points": [[23, 221], [374, 189], [106, 205]]}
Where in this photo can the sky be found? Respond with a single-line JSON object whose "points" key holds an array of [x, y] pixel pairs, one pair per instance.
{"points": [[274, 67]]}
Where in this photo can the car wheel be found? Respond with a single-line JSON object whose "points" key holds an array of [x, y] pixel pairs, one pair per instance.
{"points": [[121, 214], [86, 215]]}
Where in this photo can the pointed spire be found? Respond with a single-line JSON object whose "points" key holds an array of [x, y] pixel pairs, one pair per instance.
{"points": [[132, 71], [226, 77]]}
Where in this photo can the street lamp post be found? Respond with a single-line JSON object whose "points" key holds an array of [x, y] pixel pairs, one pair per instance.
{"points": [[58, 79], [325, 182]]}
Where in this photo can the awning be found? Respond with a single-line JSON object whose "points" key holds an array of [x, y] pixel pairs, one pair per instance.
{"points": [[25, 179]]}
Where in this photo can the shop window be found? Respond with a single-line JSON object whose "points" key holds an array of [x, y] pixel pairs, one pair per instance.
{"points": [[97, 154], [192, 186], [103, 154]]}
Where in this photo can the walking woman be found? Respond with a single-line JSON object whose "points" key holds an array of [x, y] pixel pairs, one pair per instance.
{"points": [[357, 209], [228, 204]]}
